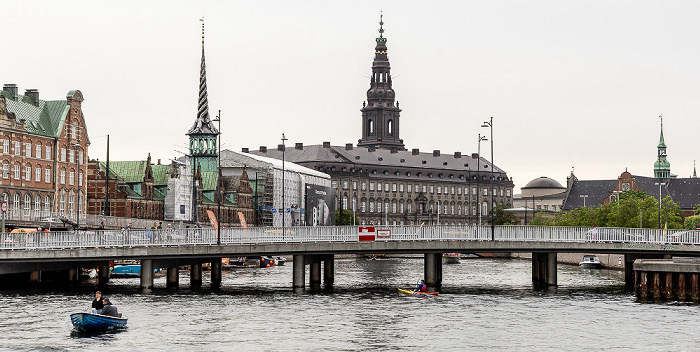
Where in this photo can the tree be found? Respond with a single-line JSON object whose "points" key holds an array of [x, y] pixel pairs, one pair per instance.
{"points": [[503, 217], [346, 219]]}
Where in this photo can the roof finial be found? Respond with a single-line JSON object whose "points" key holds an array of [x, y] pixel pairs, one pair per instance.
{"points": [[381, 23], [202, 20]]}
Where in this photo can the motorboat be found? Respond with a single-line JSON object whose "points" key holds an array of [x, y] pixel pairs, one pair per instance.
{"points": [[450, 258], [133, 270], [88, 322], [590, 262]]}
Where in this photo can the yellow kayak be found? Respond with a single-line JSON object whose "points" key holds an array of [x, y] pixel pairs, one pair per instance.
{"points": [[407, 292]]}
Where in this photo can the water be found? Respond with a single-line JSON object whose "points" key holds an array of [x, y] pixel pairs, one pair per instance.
{"points": [[485, 305]]}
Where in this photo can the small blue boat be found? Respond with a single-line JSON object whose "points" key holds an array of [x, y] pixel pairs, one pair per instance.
{"points": [[88, 322], [128, 271]]}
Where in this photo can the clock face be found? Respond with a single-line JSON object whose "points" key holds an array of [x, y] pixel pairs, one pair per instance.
{"points": [[626, 186]]}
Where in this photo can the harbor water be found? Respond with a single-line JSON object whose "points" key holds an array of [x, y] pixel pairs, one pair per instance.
{"points": [[484, 305]]}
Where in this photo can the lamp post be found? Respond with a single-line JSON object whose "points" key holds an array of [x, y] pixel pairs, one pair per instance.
{"points": [[218, 183], [77, 220], [489, 124], [659, 184], [584, 196], [478, 170], [284, 150]]}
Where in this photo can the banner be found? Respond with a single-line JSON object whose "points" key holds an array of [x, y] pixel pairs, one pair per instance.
{"points": [[212, 219], [241, 217], [320, 205]]}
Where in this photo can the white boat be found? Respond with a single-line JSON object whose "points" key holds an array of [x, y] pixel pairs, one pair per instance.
{"points": [[450, 258], [590, 262]]}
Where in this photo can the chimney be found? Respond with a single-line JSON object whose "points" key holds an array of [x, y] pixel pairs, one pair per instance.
{"points": [[348, 146], [394, 150], [326, 144], [245, 150], [34, 95], [158, 161], [415, 151], [12, 89], [263, 149], [475, 155], [458, 155], [280, 147], [436, 153], [299, 146]]}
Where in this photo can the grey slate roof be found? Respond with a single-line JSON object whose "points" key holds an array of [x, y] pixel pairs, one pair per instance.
{"points": [[596, 191]]}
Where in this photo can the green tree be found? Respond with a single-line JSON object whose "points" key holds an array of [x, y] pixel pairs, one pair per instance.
{"points": [[346, 219], [503, 217], [691, 222]]}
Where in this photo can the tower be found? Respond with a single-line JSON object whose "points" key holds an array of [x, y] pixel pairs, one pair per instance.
{"points": [[203, 133], [380, 116], [662, 168]]}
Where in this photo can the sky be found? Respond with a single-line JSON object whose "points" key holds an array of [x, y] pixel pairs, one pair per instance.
{"points": [[571, 85]]}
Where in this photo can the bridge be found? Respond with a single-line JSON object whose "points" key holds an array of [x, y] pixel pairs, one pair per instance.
{"points": [[43, 252]]}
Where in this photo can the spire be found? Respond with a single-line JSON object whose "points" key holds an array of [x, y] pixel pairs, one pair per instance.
{"points": [[662, 168], [695, 174], [662, 144], [203, 124]]}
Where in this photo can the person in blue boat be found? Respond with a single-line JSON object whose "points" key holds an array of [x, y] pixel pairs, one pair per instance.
{"points": [[109, 308], [97, 303], [421, 287]]}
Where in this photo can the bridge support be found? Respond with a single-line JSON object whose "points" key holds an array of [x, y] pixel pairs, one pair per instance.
{"points": [[315, 273], [73, 275], [432, 271], [544, 270], [329, 270], [216, 272], [146, 274], [299, 271], [35, 277], [196, 276], [173, 280], [103, 275]]}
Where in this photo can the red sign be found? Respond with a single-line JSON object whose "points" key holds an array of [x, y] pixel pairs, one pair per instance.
{"points": [[366, 238], [3, 207], [366, 229]]}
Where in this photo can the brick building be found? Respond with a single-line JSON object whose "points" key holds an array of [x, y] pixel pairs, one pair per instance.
{"points": [[44, 153]]}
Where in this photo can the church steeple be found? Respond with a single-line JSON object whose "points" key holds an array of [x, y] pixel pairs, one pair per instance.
{"points": [[662, 168], [203, 132], [380, 116]]}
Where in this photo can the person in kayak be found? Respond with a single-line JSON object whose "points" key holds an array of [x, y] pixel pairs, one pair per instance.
{"points": [[109, 308], [421, 287], [97, 303]]}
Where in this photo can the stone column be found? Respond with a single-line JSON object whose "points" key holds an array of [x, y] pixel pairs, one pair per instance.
{"points": [[196, 275], [629, 271], [216, 272], [299, 271], [668, 286], [146, 274], [431, 271], [315, 273], [35, 277], [656, 286], [551, 269], [173, 280], [682, 295], [329, 270], [694, 289], [73, 275], [103, 275]]}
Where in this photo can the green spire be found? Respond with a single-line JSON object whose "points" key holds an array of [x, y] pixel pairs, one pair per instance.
{"points": [[662, 168]]}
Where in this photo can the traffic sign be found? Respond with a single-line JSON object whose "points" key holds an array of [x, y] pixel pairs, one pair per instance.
{"points": [[3, 207]]}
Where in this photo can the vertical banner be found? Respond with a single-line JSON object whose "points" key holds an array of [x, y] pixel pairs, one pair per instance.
{"points": [[212, 219], [320, 205], [241, 217]]}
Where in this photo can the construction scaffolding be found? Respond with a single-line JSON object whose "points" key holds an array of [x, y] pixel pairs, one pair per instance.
{"points": [[263, 187]]}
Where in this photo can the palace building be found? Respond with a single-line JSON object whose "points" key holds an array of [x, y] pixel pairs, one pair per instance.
{"points": [[383, 182]]}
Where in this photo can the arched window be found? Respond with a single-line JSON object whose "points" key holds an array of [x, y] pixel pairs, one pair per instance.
{"points": [[47, 205], [71, 201], [390, 127], [484, 208], [370, 127], [62, 202], [37, 206], [354, 204], [27, 205], [15, 203]]}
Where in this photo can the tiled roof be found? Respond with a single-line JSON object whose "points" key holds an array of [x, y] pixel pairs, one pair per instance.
{"points": [[594, 193], [46, 119], [128, 171], [209, 181], [160, 174]]}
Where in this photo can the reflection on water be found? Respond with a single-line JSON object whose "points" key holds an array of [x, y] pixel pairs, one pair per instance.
{"points": [[485, 304]]}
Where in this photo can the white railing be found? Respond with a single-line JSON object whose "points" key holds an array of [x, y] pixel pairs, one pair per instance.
{"points": [[254, 235]]}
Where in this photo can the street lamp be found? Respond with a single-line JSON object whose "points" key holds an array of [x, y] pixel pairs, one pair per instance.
{"points": [[77, 221], [478, 170], [218, 183], [489, 124], [584, 196], [284, 150], [659, 184]]}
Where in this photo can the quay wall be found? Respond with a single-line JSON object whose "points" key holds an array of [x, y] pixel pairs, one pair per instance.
{"points": [[609, 261]]}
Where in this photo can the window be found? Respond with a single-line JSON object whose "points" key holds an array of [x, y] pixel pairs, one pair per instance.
{"points": [[37, 174], [546, 207], [47, 205], [71, 200], [47, 150], [379, 206], [452, 209], [18, 148], [452, 190], [63, 177], [393, 207], [354, 185], [439, 189], [5, 170], [334, 184], [507, 193], [431, 188], [38, 152], [484, 208], [459, 191], [354, 204], [501, 192], [71, 178], [27, 205], [474, 210], [80, 179], [15, 202], [371, 206], [371, 188], [409, 207], [401, 208], [364, 186], [47, 175], [363, 206], [473, 190], [6, 146], [71, 156], [386, 187], [17, 172], [401, 187], [408, 188], [494, 191], [27, 173], [486, 191], [425, 188], [445, 208], [63, 154], [28, 150], [345, 184], [62, 203], [554, 207], [393, 187], [37, 204]]}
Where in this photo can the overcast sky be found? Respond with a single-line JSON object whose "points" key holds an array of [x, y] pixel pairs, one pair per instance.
{"points": [[569, 83]]}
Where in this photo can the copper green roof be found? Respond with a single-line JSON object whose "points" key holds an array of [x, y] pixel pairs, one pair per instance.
{"points": [[160, 174], [127, 171], [209, 181]]}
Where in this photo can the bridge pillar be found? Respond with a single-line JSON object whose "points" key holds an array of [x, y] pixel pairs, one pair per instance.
{"points": [[315, 273], [299, 271], [103, 275], [216, 272], [196, 275], [35, 277], [173, 280], [539, 270], [432, 271], [551, 269], [629, 271], [73, 274], [146, 274], [329, 270]]}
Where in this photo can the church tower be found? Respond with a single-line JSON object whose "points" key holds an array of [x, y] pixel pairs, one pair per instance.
{"points": [[380, 114], [203, 149], [662, 168]]}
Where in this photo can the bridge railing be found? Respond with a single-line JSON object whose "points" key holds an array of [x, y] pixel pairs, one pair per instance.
{"points": [[209, 236]]}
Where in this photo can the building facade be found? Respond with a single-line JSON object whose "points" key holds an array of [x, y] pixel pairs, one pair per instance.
{"points": [[44, 157], [384, 183]]}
